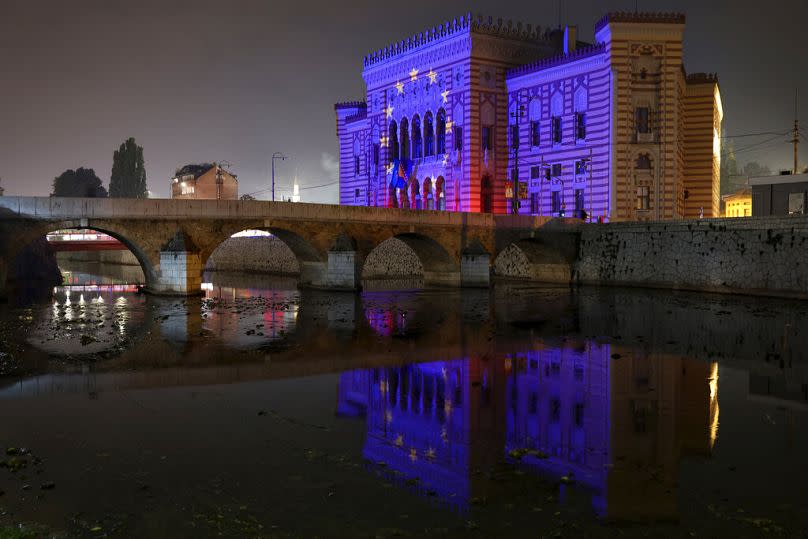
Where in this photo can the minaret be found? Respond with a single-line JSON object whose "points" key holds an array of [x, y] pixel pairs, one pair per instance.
{"points": [[296, 190]]}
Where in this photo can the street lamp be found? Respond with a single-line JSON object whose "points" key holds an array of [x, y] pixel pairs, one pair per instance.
{"points": [[276, 155]]}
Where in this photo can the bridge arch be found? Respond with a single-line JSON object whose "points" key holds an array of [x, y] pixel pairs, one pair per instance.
{"points": [[147, 258], [285, 252], [411, 255]]}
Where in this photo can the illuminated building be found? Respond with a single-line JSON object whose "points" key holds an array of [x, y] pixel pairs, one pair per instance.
{"points": [[205, 181], [614, 129], [738, 204]]}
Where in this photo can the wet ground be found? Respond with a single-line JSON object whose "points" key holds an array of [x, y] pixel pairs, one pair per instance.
{"points": [[261, 410]]}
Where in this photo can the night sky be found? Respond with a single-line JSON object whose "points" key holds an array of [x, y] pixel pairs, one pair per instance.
{"points": [[236, 80]]}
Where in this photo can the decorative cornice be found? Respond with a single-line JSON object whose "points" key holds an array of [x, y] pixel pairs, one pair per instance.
{"points": [[465, 24], [702, 78], [361, 115], [640, 17], [557, 60], [350, 105]]}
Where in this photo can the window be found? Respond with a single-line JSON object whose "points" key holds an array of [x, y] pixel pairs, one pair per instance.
{"points": [[643, 197], [486, 138], [580, 126], [556, 201], [356, 165], [642, 115], [393, 141], [535, 134], [644, 162], [533, 403], [187, 189], [579, 200], [441, 131], [429, 135], [557, 170], [356, 193], [535, 172], [376, 154], [534, 203], [556, 130], [514, 136], [580, 168], [458, 138], [417, 146], [555, 411], [578, 413]]}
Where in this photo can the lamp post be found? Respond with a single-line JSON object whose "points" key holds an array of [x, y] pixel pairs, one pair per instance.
{"points": [[276, 155]]}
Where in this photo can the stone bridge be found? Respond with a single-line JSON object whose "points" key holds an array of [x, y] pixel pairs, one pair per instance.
{"points": [[173, 239]]}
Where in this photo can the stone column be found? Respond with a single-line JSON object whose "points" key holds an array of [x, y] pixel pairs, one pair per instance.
{"points": [[344, 268], [475, 267], [180, 268]]}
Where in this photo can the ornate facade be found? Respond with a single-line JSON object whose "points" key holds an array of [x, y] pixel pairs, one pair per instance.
{"points": [[476, 114]]}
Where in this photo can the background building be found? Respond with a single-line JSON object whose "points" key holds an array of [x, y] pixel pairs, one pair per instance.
{"points": [[738, 204], [204, 181], [454, 115], [779, 195]]}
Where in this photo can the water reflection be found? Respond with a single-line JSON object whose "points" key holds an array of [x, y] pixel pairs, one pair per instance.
{"points": [[608, 420]]}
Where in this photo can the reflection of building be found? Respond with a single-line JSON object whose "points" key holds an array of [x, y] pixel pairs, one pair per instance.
{"points": [[738, 204], [616, 422], [779, 195], [204, 181], [616, 129]]}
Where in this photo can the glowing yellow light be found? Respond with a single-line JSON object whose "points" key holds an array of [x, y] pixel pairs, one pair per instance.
{"points": [[433, 77], [413, 74], [389, 112], [390, 168], [413, 454], [447, 407], [430, 453], [400, 87], [383, 141], [445, 95], [445, 162], [399, 440], [388, 416], [449, 124]]}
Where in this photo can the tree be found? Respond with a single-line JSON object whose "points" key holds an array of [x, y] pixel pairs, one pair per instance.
{"points": [[247, 197], [128, 179], [729, 169], [81, 182], [753, 168]]}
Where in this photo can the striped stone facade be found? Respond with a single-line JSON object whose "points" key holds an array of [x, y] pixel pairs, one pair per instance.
{"points": [[490, 113]]}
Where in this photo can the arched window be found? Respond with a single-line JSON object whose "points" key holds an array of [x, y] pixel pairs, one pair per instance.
{"points": [[486, 195], [404, 139], [417, 146], [643, 162], [415, 194], [393, 142], [429, 135], [441, 131], [426, 194], [440, 197]]}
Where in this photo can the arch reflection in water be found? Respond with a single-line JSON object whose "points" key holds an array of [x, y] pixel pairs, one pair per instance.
{"points": [[611, 421]]}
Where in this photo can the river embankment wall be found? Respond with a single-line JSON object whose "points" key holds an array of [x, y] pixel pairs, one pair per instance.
{"points": [[753, 255]]}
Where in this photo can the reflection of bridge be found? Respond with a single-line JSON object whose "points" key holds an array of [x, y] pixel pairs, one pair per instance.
{"points": [[172, 239]]}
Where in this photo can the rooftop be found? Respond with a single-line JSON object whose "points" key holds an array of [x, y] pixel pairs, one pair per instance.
{"points": [[779, 178], [545, 63], [466, 23], [640, 17], [196, 170]]}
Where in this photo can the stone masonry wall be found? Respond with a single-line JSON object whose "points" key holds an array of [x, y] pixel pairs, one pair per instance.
{"points": [[392, 258], [263, 254], [122, 258], [751, 255]]}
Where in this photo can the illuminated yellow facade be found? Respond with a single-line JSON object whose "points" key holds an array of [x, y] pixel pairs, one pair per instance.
{"points": [[738, 204]]}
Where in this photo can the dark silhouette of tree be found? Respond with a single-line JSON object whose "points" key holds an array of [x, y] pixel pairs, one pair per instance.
{"points": [[753, 168], [81, 182], [128, 178], [247, 197]]}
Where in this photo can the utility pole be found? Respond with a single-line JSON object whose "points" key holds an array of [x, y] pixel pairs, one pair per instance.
{"points": [[796, 139], [276, 155]]}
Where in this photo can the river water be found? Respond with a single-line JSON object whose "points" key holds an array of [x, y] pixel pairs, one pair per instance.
{"points": [[260, 410]]}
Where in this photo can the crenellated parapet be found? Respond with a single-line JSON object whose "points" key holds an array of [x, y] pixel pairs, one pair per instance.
{"points": [[702, 78], [463, 25], [553, 61], [640, 17]]}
